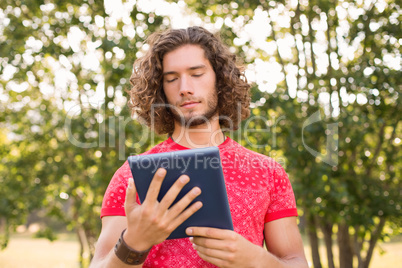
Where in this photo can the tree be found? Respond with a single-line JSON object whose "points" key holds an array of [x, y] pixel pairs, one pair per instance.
{"points": [[326, 104], [64, 126], [335, 112]]}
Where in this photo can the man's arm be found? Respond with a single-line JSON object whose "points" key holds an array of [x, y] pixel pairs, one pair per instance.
{"points": [[225, 248], [147, 224], [284, 241], [104, 256]]}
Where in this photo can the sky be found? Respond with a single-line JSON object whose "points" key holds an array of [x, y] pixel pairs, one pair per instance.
{"points": [[266, 73]]}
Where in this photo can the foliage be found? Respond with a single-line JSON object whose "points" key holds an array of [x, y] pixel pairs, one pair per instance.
{"points": [[65, 128], [345, 160], [64, 125]]}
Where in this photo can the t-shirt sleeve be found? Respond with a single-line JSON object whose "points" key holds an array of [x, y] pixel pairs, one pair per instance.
{"points": [[115, 195], [283, 203]]}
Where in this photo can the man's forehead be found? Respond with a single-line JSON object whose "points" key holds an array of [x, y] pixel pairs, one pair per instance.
{"points": [[188, 57]]}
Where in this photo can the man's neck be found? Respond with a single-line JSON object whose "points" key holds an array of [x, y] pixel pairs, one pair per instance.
{"points": [[204, 135]]}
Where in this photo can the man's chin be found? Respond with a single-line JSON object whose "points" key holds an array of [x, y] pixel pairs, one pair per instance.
{"points": [[193, 121]]}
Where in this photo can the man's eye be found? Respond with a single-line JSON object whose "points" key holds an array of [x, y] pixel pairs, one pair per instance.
{"points": [[197, 75], [170, 80]]}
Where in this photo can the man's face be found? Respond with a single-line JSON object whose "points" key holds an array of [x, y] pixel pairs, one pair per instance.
{"points": [[189, 85]]}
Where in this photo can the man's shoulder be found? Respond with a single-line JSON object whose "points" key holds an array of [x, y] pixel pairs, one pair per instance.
{"points": [[162, 147]]}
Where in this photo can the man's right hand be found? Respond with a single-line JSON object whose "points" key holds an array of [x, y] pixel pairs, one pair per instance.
{"points": [[152, 222]]}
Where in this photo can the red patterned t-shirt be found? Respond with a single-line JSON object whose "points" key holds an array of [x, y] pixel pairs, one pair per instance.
{"points": [[258, 191]]}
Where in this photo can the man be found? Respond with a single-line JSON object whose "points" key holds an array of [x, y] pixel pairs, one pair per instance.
{"points": [[189, 86]]}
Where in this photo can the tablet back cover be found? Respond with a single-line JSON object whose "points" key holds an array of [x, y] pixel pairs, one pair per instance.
{"points": [[204, 168]]}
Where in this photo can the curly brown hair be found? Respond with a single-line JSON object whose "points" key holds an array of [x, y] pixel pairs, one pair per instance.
{"points": [[147, 97]]}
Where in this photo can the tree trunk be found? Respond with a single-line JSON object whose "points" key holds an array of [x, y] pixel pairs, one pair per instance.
{"points": [[345, 248], [373, 240], [80, 240], [358, 245], [327, 230], [312, 235], [4, 233], [85, 255], [91, 240]]}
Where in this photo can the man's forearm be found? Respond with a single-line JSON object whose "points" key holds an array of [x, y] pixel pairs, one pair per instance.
{"points": [[267, 258], [111, 260]]}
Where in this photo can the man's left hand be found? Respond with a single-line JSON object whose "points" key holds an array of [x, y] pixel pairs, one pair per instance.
{"points": [[223, 248]]}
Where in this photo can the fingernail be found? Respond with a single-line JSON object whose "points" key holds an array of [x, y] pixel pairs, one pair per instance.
{"points": [[197, 190], [129, 182], [161, 171], [189, 231], [184, 179]]}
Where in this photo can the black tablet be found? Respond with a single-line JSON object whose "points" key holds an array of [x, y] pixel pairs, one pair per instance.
{"points": [[204, 168]]}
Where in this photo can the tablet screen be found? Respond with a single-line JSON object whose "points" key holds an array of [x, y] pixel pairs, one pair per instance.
{"points": [[204, 168]]}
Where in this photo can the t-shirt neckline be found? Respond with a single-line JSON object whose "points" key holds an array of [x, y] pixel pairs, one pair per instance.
{"points": [[181, 147]]}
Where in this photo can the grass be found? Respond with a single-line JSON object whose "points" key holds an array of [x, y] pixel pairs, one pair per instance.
{"points": [[24, 251], [391, 256]]}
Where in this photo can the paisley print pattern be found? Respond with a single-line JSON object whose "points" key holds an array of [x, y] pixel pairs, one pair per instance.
{"points": [[258, 190]]}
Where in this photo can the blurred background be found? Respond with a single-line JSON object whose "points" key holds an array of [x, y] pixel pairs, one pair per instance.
{"points": [[326, 104]]}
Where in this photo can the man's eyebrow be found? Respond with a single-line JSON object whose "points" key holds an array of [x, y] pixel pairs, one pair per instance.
{"points": [[201, 66]]}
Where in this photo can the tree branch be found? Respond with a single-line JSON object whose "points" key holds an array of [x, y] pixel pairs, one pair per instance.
{"points": [[373, 240], [278, 54]]}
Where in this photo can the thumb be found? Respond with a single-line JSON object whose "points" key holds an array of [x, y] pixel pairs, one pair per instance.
{"points": [[131, 195]]}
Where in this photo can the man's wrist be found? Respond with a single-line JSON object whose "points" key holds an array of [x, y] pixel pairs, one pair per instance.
{"points": [[132, 242], [129, 255], [261, 257]]}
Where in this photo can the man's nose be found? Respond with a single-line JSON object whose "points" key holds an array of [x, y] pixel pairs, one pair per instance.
{"points": [[186, 86]]}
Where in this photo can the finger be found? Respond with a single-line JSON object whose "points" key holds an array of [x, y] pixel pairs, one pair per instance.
{"points": [[183, 203], [215, 261], [155, 186], [209, 232], [186, 214], [202, 242], [171, 195], [131, 194], [213, 253]]}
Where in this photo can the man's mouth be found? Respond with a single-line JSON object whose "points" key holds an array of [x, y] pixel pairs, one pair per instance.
{"points": [[189, 104]]}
